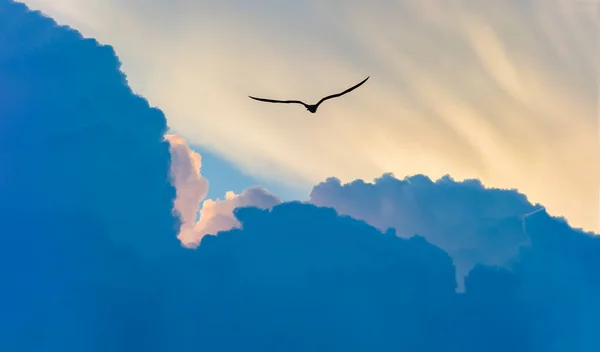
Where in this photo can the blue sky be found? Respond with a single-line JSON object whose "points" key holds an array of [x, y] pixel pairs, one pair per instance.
{"points": [[101, 250], [224, 176]]}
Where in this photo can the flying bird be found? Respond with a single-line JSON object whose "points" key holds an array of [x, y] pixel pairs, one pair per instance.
{"points": [[312, 108]]}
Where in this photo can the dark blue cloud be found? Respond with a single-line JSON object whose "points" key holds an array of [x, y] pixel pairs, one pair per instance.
{"points": [[89, 259], [84, 193], [301, 277]]}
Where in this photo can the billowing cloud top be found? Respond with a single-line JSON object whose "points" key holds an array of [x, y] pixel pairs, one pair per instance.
{"points": [[474, 224], [90, 261], [75, 139], [85, 198]]}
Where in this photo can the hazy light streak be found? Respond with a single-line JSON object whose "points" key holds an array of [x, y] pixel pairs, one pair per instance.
{"points": [[501, 91]]}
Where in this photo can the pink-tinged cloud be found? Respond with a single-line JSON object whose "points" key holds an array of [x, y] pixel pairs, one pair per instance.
{"points": [[216, 216], [189, 183], [192, 188]]}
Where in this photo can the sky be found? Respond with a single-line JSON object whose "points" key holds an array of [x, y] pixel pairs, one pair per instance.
{"points": [[224, 176], [502, 91], [101, 248]]}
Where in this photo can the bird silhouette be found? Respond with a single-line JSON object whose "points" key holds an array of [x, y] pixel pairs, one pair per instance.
{"points": [[311, 108]]}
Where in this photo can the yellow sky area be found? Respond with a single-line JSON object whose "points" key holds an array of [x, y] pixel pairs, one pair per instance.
{"points": [[503, 91]]}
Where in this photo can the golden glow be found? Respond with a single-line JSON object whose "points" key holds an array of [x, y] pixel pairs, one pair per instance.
{"points": [[504, 91]]}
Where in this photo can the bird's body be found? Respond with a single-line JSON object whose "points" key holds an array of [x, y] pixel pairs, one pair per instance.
{"points": [[312, 108]]}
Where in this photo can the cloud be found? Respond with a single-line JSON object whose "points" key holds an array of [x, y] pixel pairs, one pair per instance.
{"points": [[90, 261], [218, 215], [302, 277], [75, 136], [191, 188], [558, 280], [85, 198], [473, 223], [505, 92]]}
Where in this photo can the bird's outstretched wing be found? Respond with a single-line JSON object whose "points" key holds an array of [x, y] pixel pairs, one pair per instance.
{"points": [[278, 101], [344, 92]]}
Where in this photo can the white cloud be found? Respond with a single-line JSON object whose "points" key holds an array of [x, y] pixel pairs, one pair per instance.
{"points": [[503, 91]]}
